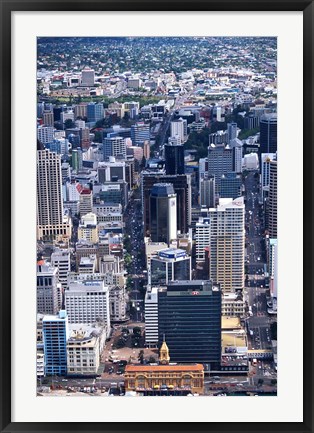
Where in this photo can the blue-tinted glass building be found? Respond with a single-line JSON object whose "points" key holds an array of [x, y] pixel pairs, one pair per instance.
{"points": [[55, 336], [95, 112], [230, 185]]}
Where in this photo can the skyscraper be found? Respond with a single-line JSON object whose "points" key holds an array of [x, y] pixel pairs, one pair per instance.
{"points": [[268, 133], [266, 158], [272, 203], [179, 128], [202, 239], [163, 213], [189, 318], [227, 243], [182, 188], [174, 157], [220, 161], [237, 153], [207, 191], [51, 223], [232, 131], [55, 336]]}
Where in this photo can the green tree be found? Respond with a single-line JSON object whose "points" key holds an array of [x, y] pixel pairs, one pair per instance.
{"points": [[69, 124], [152, 360], [120, 343], [141, 356], [137, 331]]}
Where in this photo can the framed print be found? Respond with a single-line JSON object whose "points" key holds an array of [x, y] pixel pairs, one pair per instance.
{"points": [[156, 200]]}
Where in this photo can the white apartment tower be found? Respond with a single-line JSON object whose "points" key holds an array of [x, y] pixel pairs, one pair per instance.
{"points": [[227, 244], [178, 128], [202, 238]]}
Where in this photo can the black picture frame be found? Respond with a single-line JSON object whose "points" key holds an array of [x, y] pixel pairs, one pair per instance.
{"points": [[7, 7]]}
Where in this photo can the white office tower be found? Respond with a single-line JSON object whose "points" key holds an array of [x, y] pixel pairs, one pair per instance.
{"points": [[87, 301], [179, 128], [202, 238], [88, 77], [265, 170], [61, 259], [227, 243], [52, 224], [151, 317], [207, 192], [49, 292]]}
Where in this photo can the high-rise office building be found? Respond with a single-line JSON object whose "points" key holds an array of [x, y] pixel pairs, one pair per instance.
{"points": [[87, 301], [140, 132], [171, 264], [77, 159], [227, 243], [80, 110], [220, 161], [266, 158], [182, 188], [174, 157], [151, 316], [230, 185], [163, 213], [237, 154], [268, 133], [114, 146], [61, 259], [179, 128], [48, 119], [272, 200], [55, 336], [232, 131], [207, 191], [49, 291], [202, 239], [51, 222], [189, 318], [95, 111]]}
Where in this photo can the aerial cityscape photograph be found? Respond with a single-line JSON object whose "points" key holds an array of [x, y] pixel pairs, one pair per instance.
{"points": [[157, 242]]}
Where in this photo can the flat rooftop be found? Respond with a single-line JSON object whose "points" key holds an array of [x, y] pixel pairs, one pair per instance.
{"points": [[230, 323]]}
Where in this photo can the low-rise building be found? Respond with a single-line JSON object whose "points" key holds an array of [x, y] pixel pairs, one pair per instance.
{"points": [[84, 348], [165, 377]]}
